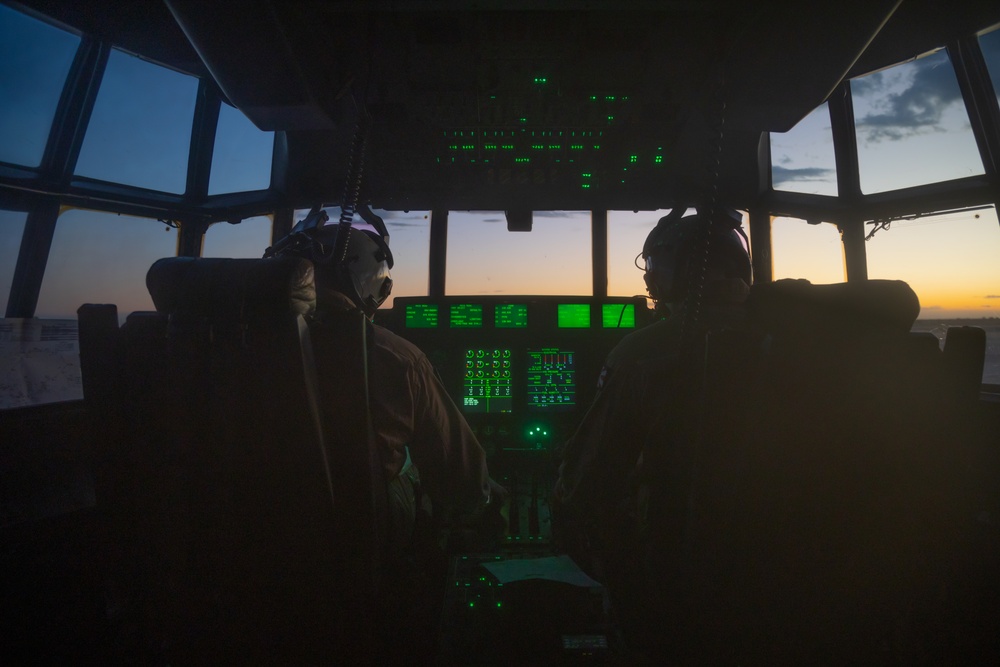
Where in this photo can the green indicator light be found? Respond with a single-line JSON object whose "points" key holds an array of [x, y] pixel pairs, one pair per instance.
{"points": [[421, 316], [490, 147], [610, 98], [585, 186], [633, 158], [468, 147], [508, 147], [524, 120], [522, 159], [555, 147], [597, 147], [618, 315], [593, 98], [453, 147], [472, 604], [573, 315], [576, 147], [658, 159], [537, 147], [499, 604], [611, 119], [585, 175]]}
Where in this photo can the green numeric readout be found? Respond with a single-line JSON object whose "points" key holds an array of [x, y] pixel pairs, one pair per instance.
{"points": [[487, 381], [573, 315], [466, 316], [511, 316], [421, 316], [618, 315], [551, 379]]}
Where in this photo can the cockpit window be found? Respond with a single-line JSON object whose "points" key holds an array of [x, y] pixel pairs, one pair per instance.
{"points": [[248, 239], [801, 250], [950, 261], [627, 231], [912, 126], [102, 258], [989, 43], [485, 258], [35, 59], [802, 159], [410, 240], [242, 157], [11, 230], [140, 131]]}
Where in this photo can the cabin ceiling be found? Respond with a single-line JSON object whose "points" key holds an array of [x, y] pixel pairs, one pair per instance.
{"points": [[466, 105]]}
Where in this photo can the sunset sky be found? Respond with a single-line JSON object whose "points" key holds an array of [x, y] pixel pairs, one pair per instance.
{"points": [[912, 130]]}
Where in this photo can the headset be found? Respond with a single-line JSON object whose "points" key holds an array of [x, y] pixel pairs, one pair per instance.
{"points": [[356, 260], [671, 247]]}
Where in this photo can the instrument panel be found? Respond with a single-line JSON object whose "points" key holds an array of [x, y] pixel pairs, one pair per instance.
{"points": [[522, 369]]}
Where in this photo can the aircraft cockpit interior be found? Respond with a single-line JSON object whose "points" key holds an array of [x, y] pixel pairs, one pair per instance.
{"points": [[212, 215]]}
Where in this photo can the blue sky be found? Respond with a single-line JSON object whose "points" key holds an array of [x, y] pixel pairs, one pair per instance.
{"points": [[912, 130]]}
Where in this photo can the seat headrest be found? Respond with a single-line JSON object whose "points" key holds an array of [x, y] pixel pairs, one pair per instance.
{"points": [[886, 306], [232, 288]]}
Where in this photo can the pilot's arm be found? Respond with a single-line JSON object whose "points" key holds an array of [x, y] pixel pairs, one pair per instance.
{"points": [[600, 456], [450, 458]]}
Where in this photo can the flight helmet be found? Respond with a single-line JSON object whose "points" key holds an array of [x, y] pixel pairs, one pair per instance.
{"points": [[672, 247], [352, 260]]}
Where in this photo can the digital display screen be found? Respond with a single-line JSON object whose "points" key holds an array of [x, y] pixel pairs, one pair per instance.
{"points": [[573, 315], [487, 380], [466, 315], [421, 316], [511, 315], [551, 379], [618, 315]]}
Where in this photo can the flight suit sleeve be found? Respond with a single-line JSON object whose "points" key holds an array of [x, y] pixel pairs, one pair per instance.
{"points": [[451, 461], [601, 454]]}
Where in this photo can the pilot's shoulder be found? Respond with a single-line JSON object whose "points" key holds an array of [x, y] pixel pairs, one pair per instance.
{"points": [[392, 346], [658, 339]]}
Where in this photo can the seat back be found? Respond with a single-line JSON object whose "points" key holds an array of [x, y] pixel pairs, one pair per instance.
{"points": [[818, 509], [243, 549]]}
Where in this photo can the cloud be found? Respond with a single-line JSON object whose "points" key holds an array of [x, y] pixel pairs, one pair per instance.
{"points": [[992, 296], [402, 215], [930, 307], [396, 224], [494, 220], [559, 214], [917, 109], [782, 175]]}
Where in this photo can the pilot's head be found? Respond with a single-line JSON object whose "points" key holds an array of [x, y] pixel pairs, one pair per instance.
{"points": [[672, 251], [350, 260]]}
